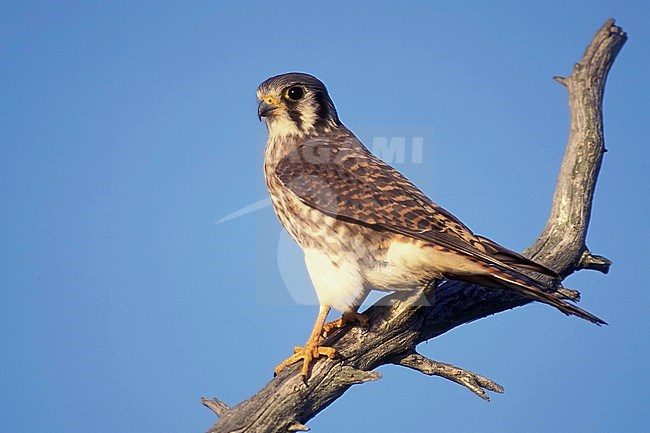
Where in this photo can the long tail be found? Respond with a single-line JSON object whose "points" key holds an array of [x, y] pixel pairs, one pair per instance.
{"points": [[530, 288]]}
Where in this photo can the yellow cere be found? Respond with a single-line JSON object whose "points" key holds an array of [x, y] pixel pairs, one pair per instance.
{"points": [[271, 100]]}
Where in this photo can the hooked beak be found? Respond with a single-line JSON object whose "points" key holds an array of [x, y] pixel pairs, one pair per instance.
{"points": [[264, 109]]}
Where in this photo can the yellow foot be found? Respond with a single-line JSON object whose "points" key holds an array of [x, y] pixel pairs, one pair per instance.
{"points": [[308, 353], [345, 319]]}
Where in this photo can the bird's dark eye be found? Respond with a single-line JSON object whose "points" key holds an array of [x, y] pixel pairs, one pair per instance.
{"points": [[295, 93]]}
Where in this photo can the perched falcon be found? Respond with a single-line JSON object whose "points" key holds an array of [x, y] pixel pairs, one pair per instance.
{"points": [[361, 224]]}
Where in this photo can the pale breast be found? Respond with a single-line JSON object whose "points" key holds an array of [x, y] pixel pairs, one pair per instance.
{"points": [[337, 254], [345, 260]]}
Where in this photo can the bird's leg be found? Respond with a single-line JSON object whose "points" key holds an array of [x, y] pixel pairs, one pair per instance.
{"points": [[312, 349], [348, 317]]}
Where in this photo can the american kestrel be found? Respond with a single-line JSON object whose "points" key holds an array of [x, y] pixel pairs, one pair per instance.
{"points": [[361, 224]]}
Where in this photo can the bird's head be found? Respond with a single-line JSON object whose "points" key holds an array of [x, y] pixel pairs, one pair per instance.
{"points": [[296, 104]]}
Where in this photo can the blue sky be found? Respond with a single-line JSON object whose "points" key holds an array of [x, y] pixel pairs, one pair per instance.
{"points": [[129, 129]]}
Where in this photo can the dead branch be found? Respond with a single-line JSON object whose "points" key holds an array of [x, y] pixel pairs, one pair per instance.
{"points": [[472, 381]]}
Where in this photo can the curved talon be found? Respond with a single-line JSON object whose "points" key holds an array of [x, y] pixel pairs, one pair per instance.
{"points": [[350, 317], [306, 354], [312, 350]]}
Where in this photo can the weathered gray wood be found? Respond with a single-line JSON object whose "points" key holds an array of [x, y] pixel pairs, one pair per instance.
{"points": [[396, 326], [472, 381]]}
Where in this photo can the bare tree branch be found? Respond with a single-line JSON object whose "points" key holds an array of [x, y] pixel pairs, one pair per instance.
{"points": [[399, 322], [472, 381], [215, 405], [562, 242]]}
